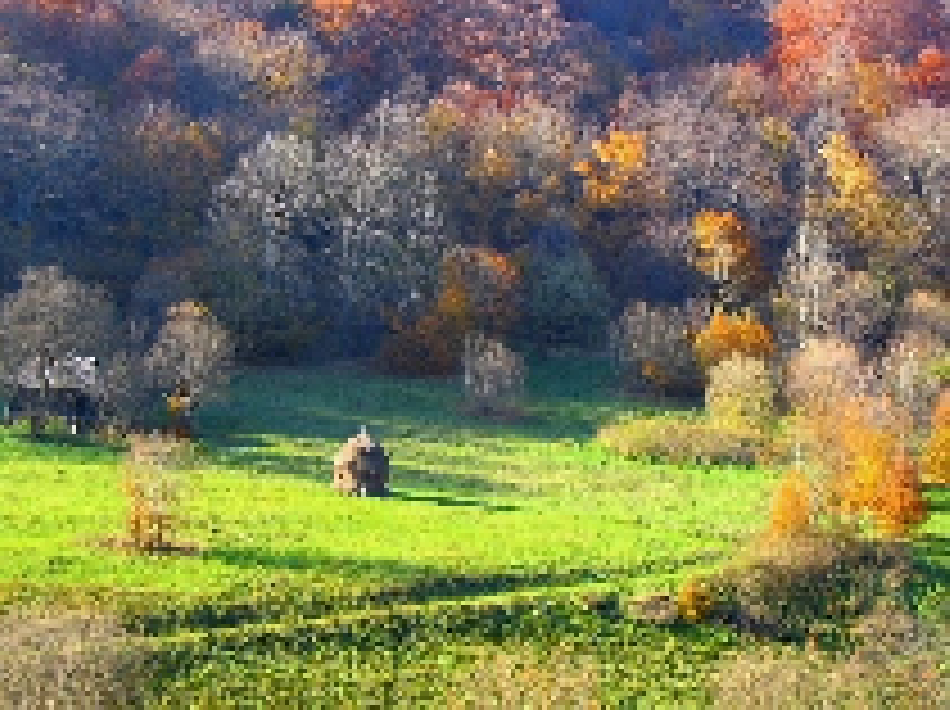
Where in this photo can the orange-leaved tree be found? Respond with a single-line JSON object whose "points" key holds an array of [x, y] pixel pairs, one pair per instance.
{"points": [[479, 292], [728, 253], [876, 218], [871, 471], [817, 42], [726, 334]]}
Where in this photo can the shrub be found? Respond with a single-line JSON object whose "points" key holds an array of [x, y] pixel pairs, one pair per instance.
{"points": [[494, 375], [741, 393], [783, 677], [862, 467], [651, 348], [694, 601], [791, 511], [558, 680], [76, 659], [153, 485], [681, 441], [786, 585]]}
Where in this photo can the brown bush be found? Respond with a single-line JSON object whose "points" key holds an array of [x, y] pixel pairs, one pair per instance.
{"points": [[784, 586], [153, 485], [521, 680], [894, 669], [74, 660], [680, 441], [791, 511], [494, 376], [741, 393], [694, 601], [858, 456]]}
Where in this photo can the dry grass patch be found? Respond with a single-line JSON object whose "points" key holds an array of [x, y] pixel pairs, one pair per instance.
{"points": [[73, 660], [559, 680]]}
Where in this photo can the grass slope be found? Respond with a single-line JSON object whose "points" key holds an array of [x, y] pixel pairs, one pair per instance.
{"points": [[497, 534]]}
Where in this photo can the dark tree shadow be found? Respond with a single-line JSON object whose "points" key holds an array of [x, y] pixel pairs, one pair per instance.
{"points": [[451, 502], [385, 583]]}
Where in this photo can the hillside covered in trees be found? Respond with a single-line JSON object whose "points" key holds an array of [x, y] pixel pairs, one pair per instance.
{"points": [[335, 178]]}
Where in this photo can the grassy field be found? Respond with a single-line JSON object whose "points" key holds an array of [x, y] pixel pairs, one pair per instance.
{"points": [[498, 536]]}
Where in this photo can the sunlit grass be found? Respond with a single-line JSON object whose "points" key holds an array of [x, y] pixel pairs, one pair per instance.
{"points": [[482, 512]]}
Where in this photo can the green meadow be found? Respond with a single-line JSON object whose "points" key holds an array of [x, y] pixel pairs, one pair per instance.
{"points": [[498, 536]]}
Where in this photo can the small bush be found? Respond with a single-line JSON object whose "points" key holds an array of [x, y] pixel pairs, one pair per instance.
{"points": [[559, 680], [861, 464], [694, 601], [785, 586], [494, 375], [902, 676], [72, 660], [153, 485], [741, 393], [792, 507], [681, 441]]}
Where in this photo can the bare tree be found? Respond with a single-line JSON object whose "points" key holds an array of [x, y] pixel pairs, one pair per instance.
{"points": [[192, 352], [53, 316]]}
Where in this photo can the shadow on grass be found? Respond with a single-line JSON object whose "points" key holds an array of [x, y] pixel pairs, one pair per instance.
{"points": [[415, 584], [566, 398], [410, 480], [449, 501], [58, 446], [258, 456]]}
